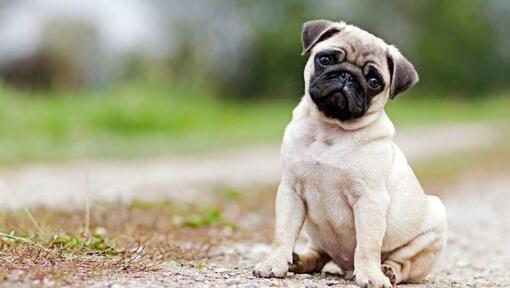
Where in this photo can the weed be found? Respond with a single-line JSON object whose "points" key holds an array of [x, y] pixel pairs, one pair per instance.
{"points": [[56, 245]]}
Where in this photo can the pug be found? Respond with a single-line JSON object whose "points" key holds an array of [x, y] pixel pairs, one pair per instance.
{"points": [[343, 179]]}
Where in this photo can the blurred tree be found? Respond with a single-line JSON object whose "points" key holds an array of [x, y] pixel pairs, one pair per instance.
{"points": [[455, 45], [67, 58], [272, 65], [249, 49]]}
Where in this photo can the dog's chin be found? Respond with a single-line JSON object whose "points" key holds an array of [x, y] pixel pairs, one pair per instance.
{"points": [[340, 106]]}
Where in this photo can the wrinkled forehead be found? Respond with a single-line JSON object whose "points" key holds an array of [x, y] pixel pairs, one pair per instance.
{"points": [[359, 46]]}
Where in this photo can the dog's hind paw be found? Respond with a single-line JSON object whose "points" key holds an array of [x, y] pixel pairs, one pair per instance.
{"points": [[392, 273]]}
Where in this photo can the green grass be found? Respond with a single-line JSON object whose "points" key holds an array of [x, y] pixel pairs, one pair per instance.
{"points": [[132, 120], [436, 109], [141, 119]]}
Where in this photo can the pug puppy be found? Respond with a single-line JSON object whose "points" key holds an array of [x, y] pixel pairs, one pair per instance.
{"points": [[343, 178]]}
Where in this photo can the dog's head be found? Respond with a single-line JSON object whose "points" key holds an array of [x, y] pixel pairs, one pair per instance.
{"points": [[351, 72]]}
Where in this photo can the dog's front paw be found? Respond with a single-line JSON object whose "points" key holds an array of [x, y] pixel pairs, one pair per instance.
{"points": [[372, 278], [272, 267]]}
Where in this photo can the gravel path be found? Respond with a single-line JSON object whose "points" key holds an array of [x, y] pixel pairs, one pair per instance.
{"points": [[188, 178], [478, 253]]}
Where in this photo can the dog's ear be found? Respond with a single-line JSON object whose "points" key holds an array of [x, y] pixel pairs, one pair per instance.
{"points": [[402, 72], [315, 31]]}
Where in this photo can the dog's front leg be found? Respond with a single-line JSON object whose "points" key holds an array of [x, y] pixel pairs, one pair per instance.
{"points": [[370, 211], [290, 215]]}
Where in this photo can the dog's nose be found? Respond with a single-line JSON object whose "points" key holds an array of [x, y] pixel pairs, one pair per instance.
{"points": [[346, 77]]}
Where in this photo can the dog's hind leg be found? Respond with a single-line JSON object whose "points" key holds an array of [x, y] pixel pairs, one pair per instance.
{"points": [[412, 262], [310, 261]]}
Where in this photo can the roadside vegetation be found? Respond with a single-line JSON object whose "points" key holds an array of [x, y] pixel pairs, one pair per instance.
{"points": [[146, 119]]}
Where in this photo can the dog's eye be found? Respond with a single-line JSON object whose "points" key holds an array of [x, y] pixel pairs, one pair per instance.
{"points": [[374, 83], [374, 79], [326, 60]]}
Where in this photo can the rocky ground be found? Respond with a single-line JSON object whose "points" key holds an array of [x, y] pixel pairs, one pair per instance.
{"points": [[478, 253], [477, 201]]}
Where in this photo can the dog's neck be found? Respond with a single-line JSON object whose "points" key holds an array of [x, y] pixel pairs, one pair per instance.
{"points": [[374, 119]]}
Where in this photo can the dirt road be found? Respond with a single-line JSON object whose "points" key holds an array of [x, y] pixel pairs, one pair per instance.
{"points": [[478, 253], [187, 178]]}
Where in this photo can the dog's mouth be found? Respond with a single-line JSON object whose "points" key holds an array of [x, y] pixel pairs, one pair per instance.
{"points": [[339, 95]]}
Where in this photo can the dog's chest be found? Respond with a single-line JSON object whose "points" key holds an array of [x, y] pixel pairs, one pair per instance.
{"points": [[323, 166], [320, 160]]}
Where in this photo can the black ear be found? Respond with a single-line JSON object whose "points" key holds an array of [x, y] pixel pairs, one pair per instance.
{"points": [[403, 74], [315, 31]]}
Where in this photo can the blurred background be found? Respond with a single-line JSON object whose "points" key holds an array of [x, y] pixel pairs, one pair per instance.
{"points": [[133, 118], [131, 78]]}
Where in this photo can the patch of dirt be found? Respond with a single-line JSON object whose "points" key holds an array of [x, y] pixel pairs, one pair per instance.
{"points": [[51, 246]]}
